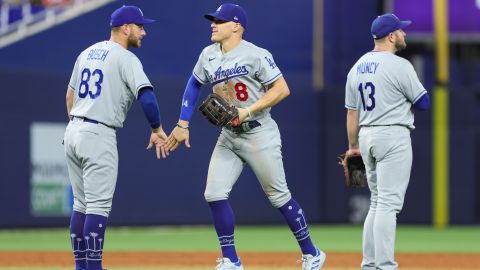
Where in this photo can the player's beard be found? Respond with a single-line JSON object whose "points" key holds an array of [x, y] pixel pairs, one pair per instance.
{"points": [[134, 41], [400, 45]]}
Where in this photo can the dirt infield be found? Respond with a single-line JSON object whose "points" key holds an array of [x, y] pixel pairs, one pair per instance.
{"points": [[264, 259]]}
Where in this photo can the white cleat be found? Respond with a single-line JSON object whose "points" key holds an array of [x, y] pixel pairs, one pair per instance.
{"points": [[310, 262], [226, 264]]}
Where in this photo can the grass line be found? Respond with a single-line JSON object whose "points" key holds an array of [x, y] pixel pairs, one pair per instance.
{"points": [[340, 238]]}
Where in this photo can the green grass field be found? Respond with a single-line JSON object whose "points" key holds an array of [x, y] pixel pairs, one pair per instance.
{"points": [[341, 238], [248, 238]]}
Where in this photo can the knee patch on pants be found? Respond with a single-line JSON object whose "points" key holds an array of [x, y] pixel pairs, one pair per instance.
{"points": [[79, 205], [278, 199], [215, 196], [101, 208]]}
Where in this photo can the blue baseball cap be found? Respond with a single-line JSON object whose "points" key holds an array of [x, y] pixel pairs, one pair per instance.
{"points": [[230, 13], [385, 24], [128, 15]]}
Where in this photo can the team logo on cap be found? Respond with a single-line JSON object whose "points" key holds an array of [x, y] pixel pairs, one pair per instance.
{"points": [[235, 18]]}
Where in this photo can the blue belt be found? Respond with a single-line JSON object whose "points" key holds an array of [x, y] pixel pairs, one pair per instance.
{"points": [[244, 127], [88, 120]]}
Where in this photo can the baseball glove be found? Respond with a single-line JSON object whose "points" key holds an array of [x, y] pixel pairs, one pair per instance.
{"points": [[354, 170], [218, 111]]}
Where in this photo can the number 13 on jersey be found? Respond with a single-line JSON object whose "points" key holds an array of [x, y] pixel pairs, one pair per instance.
{"points": [[367, 94]]}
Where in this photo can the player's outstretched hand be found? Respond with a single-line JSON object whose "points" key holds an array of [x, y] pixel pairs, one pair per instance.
{"points": [[159, 138], [178, 136]]}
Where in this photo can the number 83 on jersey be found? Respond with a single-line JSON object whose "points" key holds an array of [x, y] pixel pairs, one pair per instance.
{"points": [[97, 75]]}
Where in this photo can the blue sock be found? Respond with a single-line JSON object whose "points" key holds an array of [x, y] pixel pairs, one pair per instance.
{"points": [[298, 225], [76, 236], [94, 233], [224, 222]]}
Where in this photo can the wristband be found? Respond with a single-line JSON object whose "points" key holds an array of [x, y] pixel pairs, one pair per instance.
{"points": [[248, 110], [178, 125]]}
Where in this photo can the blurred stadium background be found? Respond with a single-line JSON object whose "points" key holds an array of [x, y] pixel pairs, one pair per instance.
{"points": [[314, 42]]}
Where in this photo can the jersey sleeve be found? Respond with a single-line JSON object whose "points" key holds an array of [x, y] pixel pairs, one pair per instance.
{"points": [[412, 88], [74, 77], [351, 95], [134, 75], [198, 70], [267, 71]]}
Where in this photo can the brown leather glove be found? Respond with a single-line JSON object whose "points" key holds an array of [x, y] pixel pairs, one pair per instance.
{"points": [[218, 111], [354, 170]]}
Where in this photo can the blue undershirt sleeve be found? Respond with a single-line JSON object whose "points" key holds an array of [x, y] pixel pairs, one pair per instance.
{"points": [[149, 104], [423, 103], [190, 98]]}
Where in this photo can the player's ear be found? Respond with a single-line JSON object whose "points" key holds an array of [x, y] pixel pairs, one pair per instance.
{"points": [[391, 37], [237, 28], [125, 29]]}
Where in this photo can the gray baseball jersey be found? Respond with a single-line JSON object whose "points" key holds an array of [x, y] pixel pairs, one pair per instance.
{"points": [[383, 87], [249, 70], [106, 79]]}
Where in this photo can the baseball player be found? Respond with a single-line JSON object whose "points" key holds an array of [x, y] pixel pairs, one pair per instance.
{"points": [[381, 90], [104, 82], [247, 76]]}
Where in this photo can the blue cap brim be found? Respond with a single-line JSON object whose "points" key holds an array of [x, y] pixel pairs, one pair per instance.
{"points": [[404, 24], [146, 21], [213, 16]]}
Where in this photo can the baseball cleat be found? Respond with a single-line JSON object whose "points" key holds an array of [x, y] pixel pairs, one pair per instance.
{"points": [[310, 262], [226, 264]]}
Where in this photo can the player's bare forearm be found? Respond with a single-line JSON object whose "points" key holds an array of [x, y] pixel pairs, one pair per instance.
{"points": [[352, 129], [183, 123], [69, 100], [273, 96], [158, 130]]}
